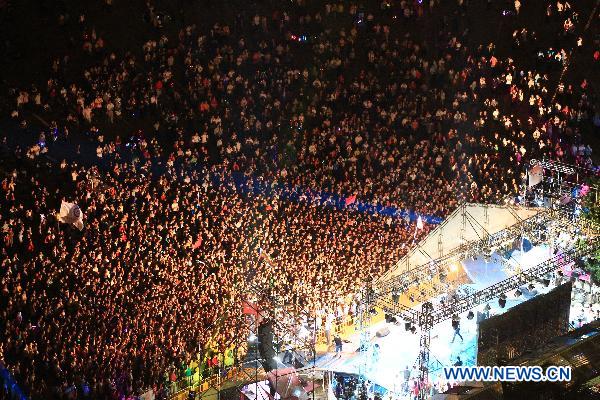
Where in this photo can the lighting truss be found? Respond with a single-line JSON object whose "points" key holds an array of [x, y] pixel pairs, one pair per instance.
{"points": [[514, 282], [550, 222], [547, 221], [266, 304], [486, 244], [363, 322], [556, 190], [558, 193], [554, 166], [428, 316], [396, 308]]}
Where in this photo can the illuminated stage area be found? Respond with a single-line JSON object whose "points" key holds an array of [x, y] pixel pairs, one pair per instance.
{"points": [[399, 350], [490, 284]]}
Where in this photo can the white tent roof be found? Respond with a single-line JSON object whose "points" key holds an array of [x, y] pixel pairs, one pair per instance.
{"points": [[469, 222]]}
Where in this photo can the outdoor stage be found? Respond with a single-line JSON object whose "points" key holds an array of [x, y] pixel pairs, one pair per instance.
{"points": [[400, 348], [475, 256]]}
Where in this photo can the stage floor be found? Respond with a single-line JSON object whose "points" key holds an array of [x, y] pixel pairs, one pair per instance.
{"points": [[400, 348]]}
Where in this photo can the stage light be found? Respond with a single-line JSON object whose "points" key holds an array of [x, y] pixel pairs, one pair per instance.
{"points": [[390, 319], [442, 276], [502, 301], [518, 293], [470, 315], [546, 282]]}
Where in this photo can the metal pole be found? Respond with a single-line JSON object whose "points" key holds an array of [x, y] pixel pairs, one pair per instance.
{"points": [[425, 323], [364, 316]]}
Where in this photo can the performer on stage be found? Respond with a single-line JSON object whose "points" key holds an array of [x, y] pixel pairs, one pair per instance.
{"points": [[406, 379], [338, 345], [456, 326], [376, 353], [289, 354]]}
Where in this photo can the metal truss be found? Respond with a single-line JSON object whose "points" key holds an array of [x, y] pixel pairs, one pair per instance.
{"points": [[426, 322], [554, 166], [516, 281], [266, 304], [486, 244], [544, 226], [363, 323], [556, 189]]}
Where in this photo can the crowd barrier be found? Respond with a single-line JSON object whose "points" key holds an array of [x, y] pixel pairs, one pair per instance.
{"points": [[204, 379], [200, 376]]}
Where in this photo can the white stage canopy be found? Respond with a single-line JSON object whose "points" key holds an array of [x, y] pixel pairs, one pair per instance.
{"points": [[468, 223]]}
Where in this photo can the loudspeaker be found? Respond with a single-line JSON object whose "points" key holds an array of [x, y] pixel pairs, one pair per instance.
{"points": [[383, 332], [287, 384], [265, 346]]}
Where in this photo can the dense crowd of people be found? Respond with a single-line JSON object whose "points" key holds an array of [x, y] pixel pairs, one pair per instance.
{"points": [[251, 125]]}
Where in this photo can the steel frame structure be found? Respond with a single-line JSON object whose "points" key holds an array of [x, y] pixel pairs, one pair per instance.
{"points": [[363, 323], [486, 244], [285, 328], [560, 182], [266, 305], [516, 281], [379, 294], [552, 219], [427, 317]]}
